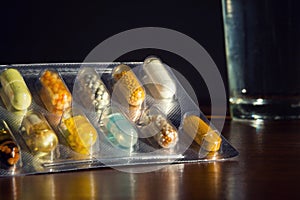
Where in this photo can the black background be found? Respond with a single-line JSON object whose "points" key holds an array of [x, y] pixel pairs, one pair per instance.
{"points": [[47, 31]]}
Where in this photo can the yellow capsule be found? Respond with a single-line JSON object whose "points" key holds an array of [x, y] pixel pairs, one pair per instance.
{"points": [[16, 92], [78, 131], [39, 136], [202, 133]]}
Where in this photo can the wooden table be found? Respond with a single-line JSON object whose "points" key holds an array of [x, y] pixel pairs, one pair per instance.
{"points": [[268, 167]]}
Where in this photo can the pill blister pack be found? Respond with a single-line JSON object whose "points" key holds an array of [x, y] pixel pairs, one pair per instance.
{"points": [[71, 116]]}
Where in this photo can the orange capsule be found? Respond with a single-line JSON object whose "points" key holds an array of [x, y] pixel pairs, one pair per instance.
{"points": [[54, 92]]}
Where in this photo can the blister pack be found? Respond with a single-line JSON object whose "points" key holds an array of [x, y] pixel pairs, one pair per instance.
{"points": [[71, 116]]}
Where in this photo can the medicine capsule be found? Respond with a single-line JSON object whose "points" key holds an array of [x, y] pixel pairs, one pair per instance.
{"points": [[38, 134], [9, 150], [158, 79], [92, 91], [202, 133], [16, 93], [120, 132], [166, 134], [54, 92], [78, 132], [128, 88]]}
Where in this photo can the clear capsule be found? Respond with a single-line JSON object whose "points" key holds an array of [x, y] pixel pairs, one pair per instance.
{"points": [[128, 88], [15, 93], [53, 92], [158, 79], [78, 131], [91, 91], [162, 130], [167, 137], [208, 138], [38, 134], [9, 150], [118, 129]]}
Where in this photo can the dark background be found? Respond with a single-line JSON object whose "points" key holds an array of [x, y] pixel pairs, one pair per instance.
{"points": [[42, 31]]}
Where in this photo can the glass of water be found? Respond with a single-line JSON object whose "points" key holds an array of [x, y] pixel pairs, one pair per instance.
{"points": [[262, 39]]}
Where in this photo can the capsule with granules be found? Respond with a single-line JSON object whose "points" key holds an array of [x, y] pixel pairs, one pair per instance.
{"points": [[128, 88], [118, 129], [54, 92], [9, 150], [162, 130], [208, 138], [92, 91], [158, 79], [15, 95], [38, 134], [78, 131], [167, 136]]}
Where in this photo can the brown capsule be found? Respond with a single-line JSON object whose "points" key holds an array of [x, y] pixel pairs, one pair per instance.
{"points": [[9, 150]]}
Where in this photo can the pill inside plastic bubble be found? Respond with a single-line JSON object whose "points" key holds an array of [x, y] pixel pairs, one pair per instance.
{"points": [[154, 124], [157, 79], [53, 92], [14, 91], [38, 134], [122, 139], [9, 150], [91, 92], [167, 136], [127, 88], [119, 131], [204, 135], [78, 131]]}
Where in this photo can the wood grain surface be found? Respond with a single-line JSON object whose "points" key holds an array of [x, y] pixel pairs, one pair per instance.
{"points": [[268, 167]]}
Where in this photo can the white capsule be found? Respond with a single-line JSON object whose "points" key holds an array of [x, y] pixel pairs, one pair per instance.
{"points": [[158, 79]]}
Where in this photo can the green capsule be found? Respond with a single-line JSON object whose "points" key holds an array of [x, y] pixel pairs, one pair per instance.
{"points": [[15, 89]]}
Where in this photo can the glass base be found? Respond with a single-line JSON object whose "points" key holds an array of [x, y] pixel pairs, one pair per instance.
{"points": [[265, 109]]}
